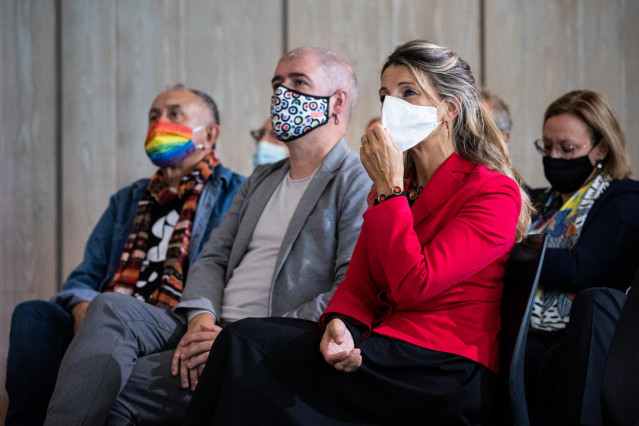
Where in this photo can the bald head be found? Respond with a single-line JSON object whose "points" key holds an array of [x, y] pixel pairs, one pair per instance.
{"points": [[336, 72]]}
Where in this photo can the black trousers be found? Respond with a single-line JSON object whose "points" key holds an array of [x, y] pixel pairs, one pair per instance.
{"points": [[270, 371], [571, 372]]}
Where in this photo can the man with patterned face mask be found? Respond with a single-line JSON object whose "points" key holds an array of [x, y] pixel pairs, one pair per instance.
{"points": [[142, 246], [281, 250]]}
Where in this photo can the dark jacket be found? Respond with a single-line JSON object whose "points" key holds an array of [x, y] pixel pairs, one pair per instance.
{"points": [[608, 248]]}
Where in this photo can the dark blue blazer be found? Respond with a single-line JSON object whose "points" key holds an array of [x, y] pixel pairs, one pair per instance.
{"points": [[607, 251]]}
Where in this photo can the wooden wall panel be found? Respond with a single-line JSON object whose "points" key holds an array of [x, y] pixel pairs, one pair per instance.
{"points": [[149, 59], [143, 47], [117, 55], [629, 37], [28, 119], [537, 51], [232, 48], [366, 31], [89, 120]]}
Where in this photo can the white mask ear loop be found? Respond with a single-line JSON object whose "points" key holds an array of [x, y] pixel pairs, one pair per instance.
{"points": [[437, 108], [197, 129]]}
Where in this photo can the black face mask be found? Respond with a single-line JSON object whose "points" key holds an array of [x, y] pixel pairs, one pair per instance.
{"points": [[567, 176]]}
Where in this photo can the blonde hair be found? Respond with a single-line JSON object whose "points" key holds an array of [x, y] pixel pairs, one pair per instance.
{"points": [[591, 108], [476, 137]]}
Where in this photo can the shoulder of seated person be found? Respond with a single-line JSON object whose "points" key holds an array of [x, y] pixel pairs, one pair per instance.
{"points": [[625, 185]]}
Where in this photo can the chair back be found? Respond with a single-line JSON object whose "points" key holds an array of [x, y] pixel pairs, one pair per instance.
{"points": [[619, 386], [520, 284]]}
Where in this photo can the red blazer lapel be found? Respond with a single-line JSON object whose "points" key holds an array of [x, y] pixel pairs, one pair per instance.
{"points": [[447, 180]]}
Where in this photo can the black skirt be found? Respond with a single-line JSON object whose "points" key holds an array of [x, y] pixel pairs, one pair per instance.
{"points": [[270, 371]]}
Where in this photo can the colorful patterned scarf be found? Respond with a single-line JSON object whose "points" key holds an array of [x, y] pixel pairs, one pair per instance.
{"points": [[169, 292], [563, 224]]}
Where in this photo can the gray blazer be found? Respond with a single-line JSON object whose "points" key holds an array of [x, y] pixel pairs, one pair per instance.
{"points": [[316, 248]]}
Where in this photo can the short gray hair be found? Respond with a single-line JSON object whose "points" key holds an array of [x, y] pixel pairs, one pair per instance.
{"points": [[338, 74], [499, 110], [204, 97]]}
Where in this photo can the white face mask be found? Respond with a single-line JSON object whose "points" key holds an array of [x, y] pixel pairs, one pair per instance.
{"points": [[408, 124]]}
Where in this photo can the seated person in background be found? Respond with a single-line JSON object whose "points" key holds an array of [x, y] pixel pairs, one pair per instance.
{"points": [[269, 148], [499, 112], [142, 246], [410, 335], [281, 250], [591, 213]]}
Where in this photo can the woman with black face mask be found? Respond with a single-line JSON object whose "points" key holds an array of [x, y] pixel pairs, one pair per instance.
{"points": [[591, 213]]}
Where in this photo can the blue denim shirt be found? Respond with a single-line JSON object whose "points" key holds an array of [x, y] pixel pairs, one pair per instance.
{"points": [[106, 243]]}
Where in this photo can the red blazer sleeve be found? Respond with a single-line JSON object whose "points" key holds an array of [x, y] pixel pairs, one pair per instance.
{"points": [[399, 264], [477, 235], [358, 290]]}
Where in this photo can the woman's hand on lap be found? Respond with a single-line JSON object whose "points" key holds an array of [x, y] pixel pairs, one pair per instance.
{"points": [[338, 347]]}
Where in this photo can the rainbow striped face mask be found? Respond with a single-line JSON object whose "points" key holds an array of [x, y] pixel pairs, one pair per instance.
{"points": [[168, 143]]}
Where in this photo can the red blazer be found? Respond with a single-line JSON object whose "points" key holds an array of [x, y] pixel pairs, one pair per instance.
{"points": [[431, 275]]}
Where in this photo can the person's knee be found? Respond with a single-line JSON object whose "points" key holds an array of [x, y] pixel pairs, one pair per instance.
{"points": [[110, 303], [31, 309], [243, 327], [40, 333], [36, 314], [246, 323], [109, 299], [597, 299], [589, 295]]}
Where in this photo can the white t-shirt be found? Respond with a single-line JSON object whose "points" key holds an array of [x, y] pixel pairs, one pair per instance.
{"points": [[248, 291]]}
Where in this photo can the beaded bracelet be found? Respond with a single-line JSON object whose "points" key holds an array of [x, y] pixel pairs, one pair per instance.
{"points": [[396, 192]]}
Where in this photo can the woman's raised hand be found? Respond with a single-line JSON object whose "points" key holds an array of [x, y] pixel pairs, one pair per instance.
{"points": [[382, 159]]}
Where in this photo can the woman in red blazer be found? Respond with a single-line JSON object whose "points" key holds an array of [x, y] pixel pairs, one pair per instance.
{"points": [[410, 335]]}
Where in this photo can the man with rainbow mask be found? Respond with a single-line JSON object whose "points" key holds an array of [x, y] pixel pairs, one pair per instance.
{"points": [[281, 251], [143, 245]]}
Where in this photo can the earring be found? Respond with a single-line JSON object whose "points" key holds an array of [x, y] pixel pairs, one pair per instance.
{"points": [[336, 119], [599, 164]]}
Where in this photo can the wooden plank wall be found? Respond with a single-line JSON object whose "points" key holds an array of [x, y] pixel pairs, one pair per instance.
{"points": [[77, 78], [537, 51], [141, 49], [28, 148], [365, 32]]}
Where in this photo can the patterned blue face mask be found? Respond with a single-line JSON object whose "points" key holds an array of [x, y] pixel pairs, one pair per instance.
{"points": [[294, 114]]}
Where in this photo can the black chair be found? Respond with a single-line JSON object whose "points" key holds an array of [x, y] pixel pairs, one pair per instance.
{"points": [[520, 285], [620, 384]]}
